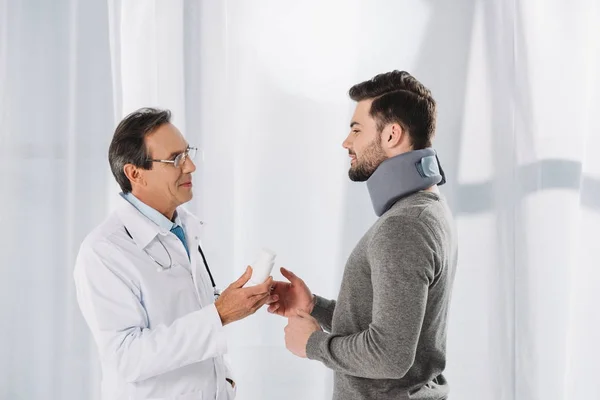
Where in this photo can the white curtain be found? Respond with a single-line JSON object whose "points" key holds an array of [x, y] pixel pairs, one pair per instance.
{"points": [[56, 116], [261, 88]]}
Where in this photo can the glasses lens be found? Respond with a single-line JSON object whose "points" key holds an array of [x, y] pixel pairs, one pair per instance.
{"points": [[189, 152], [179, 160], [192, 152]]}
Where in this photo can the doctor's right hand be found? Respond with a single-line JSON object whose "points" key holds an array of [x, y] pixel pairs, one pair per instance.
{"points": [[291, 296], [237, 302]]}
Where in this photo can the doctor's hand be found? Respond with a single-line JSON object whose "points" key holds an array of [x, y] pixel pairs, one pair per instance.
{"points": [[291, 295], [298, 331], [237, 302]]}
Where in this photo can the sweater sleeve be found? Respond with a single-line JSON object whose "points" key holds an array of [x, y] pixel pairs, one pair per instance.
{"points": [[323, 312], [402, 258]]}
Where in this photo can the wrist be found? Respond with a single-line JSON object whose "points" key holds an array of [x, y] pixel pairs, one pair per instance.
{"points": [[220, 312]]}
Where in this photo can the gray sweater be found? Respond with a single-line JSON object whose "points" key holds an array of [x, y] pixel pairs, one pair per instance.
{"points": [[387, 329]]}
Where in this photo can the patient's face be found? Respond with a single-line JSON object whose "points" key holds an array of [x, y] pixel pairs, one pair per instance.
{"points": [[363, 143]]}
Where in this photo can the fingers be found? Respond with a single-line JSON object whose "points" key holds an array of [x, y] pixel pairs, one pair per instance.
{"points": [[272, 299], [289, 275], [244, 278], [279, 287], [274, 308], [272, 302], [259, 303], [261, 289]]}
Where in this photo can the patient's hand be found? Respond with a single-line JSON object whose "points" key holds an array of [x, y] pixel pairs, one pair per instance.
{"points": [[292, 295]]}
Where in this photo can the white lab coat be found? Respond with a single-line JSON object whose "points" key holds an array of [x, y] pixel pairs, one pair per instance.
{"points": [[158, 333]]}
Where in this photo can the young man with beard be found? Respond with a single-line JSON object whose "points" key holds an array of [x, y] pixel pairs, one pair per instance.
{"points": [[385, 335]]}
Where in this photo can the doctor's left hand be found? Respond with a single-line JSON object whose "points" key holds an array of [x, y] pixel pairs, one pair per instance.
{"points": [[237, 302], [298, 331]]}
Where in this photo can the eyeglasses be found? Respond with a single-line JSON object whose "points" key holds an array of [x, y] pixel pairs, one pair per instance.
{"points": [[180, 158]]}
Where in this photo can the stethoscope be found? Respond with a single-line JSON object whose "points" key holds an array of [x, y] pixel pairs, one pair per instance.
{"points": [[216, 292]]}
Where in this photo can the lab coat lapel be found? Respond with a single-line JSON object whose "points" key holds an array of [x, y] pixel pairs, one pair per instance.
{"points": [[192, 227]]}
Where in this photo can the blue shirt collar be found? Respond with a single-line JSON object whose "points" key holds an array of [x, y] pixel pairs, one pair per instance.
{"points": [[153, 215]]}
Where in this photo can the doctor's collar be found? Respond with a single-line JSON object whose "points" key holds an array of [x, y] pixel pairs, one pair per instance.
{"points": [[152, 214], [141, 228]]}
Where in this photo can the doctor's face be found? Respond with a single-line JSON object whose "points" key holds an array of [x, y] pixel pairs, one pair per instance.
{"points": [[166, 184]]}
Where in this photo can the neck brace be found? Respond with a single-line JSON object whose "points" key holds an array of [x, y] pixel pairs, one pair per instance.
{"points": [[402, 175]]}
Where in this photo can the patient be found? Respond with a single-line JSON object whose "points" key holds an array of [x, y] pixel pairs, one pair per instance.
{"points": [[385, 335]]}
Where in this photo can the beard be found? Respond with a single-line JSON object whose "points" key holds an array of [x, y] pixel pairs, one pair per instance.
{"points": [[365, 166]]}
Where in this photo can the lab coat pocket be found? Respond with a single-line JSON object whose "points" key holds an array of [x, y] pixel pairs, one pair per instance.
{"points": [[173, 296], [231, 391]]}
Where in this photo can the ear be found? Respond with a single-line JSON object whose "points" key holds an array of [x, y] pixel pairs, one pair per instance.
{"points": [[134, 174], [393, 135]]}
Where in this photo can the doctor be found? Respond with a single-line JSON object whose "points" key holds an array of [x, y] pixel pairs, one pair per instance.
{"points": [[143, 285]]}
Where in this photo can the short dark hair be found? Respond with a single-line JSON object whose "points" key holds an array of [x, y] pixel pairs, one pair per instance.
{"points": [[128, 145], [398, 97]]}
